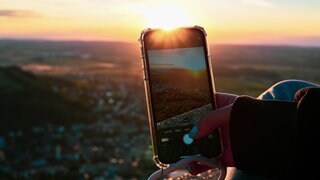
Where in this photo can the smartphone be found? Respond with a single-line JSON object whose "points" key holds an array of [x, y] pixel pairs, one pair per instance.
{"points": [[179, 89]]}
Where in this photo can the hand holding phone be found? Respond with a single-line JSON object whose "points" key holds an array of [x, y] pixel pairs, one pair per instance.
{"points": [[179, 90]]}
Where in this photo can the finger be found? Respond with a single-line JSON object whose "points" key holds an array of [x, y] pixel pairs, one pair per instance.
{"points": [[195, 168], [212, 121], [224, 99]]}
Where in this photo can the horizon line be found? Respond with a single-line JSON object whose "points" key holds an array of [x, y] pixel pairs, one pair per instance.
{"points": [[132, 42]]}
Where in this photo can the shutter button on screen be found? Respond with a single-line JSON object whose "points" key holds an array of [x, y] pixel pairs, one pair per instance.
{"points": [[188, 138]]}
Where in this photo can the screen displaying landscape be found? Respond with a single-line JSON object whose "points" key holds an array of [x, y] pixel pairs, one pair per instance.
{"points": [[180, 91], [77, 110], [179, 84]]}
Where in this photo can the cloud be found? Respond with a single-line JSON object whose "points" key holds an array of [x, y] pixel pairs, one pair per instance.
{"points": [[259, 3], [19, 14]]}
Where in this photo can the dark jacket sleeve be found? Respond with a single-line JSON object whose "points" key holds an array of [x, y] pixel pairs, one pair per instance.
{"points": [[307, 156], [263, 135]]}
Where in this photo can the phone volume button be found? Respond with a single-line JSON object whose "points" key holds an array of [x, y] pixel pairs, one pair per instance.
{"points": [[144, 76], [142, 60], [143, 73]]}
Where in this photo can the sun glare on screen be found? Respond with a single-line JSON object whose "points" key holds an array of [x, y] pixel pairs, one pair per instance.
{"points": [[167, 17]]}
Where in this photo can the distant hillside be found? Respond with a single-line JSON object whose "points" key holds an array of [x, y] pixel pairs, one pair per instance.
{"points": [[27, 99], [240, 69]]}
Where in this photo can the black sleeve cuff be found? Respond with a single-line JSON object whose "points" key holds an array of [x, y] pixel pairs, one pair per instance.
{"points": [[262, 135]]}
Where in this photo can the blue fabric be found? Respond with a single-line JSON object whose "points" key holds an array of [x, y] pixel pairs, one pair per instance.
{"points": [[284, 90]]}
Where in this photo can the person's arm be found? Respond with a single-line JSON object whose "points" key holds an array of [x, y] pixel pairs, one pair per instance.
{"points": [[307, 150], [262, 135]]}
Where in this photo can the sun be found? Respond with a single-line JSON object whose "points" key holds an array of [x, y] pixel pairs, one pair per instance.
{"points": [[167, 16]]}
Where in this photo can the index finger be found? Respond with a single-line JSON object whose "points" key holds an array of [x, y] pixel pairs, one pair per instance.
{"points": [[213, 120]]}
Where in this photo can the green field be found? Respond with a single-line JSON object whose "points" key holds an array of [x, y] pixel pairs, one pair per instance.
{"points": [[251, 69], [178, 90]]}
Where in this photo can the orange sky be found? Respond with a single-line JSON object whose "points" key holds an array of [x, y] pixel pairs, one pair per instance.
{"points": [[226, 21]]}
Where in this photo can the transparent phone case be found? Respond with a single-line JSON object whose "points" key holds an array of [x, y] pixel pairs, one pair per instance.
{"points": [[148, 93]]}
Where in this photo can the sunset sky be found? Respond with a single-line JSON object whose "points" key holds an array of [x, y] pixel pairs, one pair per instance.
{"points": [[290, 22]]}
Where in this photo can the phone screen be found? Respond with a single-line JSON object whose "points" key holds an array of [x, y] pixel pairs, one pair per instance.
{"points": [[181, 93]]}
